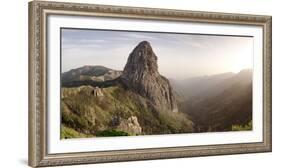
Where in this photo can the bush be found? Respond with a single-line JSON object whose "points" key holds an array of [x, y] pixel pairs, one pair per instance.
{"points": [[109, 133], [245, 127], [67, 133]]}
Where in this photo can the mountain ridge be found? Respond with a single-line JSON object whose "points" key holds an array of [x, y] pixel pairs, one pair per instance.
{"points": [[195, 87]]}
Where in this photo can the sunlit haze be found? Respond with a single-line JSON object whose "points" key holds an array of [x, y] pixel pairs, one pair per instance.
{"points": [[179, 55]]}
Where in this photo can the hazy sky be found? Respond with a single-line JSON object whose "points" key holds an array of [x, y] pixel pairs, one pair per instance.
{"points": [[179, 55]]}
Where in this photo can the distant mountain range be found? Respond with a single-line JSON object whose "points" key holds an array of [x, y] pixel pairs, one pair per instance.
{"points": [[92, 73], [99, 101], [202, 86]]}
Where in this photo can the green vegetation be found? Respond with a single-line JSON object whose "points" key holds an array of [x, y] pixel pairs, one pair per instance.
{"points": [[109, 133], [245, 127], [90, 115], [67, 132]]}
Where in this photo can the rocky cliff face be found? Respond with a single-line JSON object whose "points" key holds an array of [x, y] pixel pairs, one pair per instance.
{"points": [[141, 75]]}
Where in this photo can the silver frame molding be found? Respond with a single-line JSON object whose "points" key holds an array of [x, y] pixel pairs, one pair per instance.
{"points": [[39, 10]]}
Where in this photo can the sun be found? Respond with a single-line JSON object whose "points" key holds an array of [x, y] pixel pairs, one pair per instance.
{"points": [[242, 60]]}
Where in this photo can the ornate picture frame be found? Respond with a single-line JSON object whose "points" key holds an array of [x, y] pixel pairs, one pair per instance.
{"points": [[39, 11]]}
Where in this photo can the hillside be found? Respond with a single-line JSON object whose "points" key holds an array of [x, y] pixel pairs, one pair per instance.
{"points": [[89, 114], [224, 105]]}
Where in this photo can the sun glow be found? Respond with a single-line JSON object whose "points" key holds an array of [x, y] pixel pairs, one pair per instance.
{"points": [[242, 60]]}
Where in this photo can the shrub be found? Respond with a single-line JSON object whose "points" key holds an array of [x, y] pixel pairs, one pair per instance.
{"points": [[67, 132], [245, 127], [109, 133]]}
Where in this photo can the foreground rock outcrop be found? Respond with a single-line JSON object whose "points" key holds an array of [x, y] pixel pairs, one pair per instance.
{"points": [[97, 92], [130, 125]]}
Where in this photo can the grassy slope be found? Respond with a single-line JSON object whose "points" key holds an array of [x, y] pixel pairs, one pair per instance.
{"points": [[88, 115], [67, 132]]}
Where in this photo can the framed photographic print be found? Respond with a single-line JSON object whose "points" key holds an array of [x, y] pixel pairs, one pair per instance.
{"points": [[112, 83]]}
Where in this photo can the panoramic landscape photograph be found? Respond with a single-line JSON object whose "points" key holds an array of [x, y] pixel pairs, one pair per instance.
{"points": [[132, 83]]}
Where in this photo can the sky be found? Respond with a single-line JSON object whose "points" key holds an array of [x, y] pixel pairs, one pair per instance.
{"points": [[180, 56]]}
